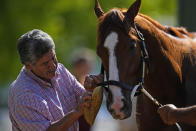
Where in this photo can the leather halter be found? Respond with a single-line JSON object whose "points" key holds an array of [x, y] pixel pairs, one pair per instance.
{"points": [[145, 60]]}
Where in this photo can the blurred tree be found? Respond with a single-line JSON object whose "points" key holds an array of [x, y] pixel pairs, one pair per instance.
{"points": [[70, 23]]}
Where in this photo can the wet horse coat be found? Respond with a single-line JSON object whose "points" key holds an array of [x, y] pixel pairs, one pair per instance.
{"points": [[170, 76]]}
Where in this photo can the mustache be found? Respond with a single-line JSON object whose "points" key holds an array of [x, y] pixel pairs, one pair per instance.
{"points": [[52, 71]]}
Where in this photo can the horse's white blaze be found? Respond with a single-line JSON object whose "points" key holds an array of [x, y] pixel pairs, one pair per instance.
{"points": [[110, 43]]}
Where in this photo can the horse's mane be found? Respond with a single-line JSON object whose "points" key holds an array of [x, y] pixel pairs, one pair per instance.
{"points": [[180, 32], [114, 18]]}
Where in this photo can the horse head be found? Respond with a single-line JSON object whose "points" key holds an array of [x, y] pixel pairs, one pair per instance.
{"points": [[118, 47]]}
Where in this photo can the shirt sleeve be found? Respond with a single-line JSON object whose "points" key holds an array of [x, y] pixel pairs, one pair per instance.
{"points": [[32, 113], [79, 90]]}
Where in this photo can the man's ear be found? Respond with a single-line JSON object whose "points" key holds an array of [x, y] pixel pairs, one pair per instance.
{"points": [[28, 66]]}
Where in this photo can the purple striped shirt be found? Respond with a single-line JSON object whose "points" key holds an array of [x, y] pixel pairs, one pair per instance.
{"points": [[33, 103]]}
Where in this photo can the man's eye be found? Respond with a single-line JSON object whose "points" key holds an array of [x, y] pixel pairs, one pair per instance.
{"points": [[45, 63]]}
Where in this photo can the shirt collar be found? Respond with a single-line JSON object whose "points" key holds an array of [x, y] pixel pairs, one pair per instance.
{"points": [[41, 82]]}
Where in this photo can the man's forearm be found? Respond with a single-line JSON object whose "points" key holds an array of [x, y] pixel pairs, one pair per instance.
{"points": [[186, 115], [65, 122]]}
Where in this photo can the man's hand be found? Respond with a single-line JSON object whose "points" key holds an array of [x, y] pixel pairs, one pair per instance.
{"points": [[84, 102], [166, 114], [91, 81]]}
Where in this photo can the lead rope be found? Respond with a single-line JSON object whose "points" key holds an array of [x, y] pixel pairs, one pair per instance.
{"points": [[158, 104], [145, 59], [151, 98]]}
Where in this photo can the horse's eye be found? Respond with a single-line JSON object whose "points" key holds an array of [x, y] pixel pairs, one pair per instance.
{"points": [[132, 44]]}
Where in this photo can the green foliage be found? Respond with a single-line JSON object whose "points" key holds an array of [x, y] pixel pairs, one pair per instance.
{"points": [[71, 24]]}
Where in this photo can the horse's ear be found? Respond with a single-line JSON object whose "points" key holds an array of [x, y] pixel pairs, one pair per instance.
{"points": [[98, 11], [132, 12]]}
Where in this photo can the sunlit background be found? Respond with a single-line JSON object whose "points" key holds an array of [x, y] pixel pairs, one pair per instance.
{"points": [[72, 24]]}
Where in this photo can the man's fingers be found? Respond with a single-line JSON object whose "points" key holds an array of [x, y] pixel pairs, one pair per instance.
{"points": [[164, 113], [88, 82], [86, 104], [97, 79], [94, 78], [87, 98], [91, 81], [88, 78]]}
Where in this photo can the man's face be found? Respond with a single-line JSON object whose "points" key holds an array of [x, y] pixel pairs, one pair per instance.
{"points": [[46, 66]]}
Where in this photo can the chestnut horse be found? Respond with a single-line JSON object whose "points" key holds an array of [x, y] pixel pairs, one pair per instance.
{"points": [[170, 74]]}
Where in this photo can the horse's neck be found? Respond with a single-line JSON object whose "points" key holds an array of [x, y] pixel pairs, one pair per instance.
{"points": [[164, 51]]}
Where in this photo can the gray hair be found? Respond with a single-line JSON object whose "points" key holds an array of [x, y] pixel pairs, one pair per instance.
{"points": [[33, 45]]}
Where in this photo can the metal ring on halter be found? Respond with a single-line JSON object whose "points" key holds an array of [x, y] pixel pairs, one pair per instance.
{"points": [[178, 126], [134, 91]]}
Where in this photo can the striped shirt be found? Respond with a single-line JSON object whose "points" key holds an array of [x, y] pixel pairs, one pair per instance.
{"points": [[34, 104]]}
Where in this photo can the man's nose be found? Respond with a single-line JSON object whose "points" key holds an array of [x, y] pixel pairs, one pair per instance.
{"points": [[52, 65]]}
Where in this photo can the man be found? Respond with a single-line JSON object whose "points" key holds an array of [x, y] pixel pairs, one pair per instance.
{"points": [[45, 95], [170, 114]]}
